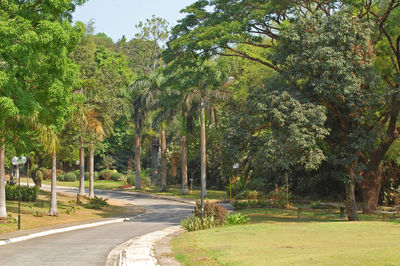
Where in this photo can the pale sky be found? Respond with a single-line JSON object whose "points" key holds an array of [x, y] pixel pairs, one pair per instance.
{"points": [[119, 17]]}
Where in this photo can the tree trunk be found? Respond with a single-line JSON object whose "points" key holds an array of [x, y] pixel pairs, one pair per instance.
{"points": [[351, 205], [82, 171], [91, 171], [155, 144], [138, 185], [184, 166], [370, 188], [130, 163], [163, 160], [53, 202], [203, 150], [3, 210]]}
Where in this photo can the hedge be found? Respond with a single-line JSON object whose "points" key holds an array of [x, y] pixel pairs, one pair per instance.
{"points": [[27, 193]]}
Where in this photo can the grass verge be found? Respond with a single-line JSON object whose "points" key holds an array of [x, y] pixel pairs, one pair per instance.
{"points": [[34, 214], [276, 237], [98, 184]]}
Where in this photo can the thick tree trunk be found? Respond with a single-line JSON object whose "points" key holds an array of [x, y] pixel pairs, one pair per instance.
{"points": [[351, 205], [184, 166], [155, 145], [91, 171], [3, 210], [203, 150], [53, 202], [163, 160], [370, 188], [130, 163], [82, 171], [138, 185]]}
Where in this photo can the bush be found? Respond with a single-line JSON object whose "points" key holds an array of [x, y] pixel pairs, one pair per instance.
{"points": [[237, 218], [116, 176], [27, 193], [195, 223], [46, 173], [211, 210], [106, 174], [145, 180], [278, 197], [131, 179], [243, 204], [97, 203], [68, 177]]}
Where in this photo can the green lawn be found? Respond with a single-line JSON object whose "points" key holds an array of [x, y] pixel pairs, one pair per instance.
{"points": [[195, 194], [275, 237], [98, 184], [172, 190]]}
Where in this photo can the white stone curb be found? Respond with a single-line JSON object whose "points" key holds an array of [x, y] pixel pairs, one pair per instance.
{"points": [[56, 231], [140, 251]]}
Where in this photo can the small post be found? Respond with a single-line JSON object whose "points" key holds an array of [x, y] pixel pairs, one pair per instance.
{"points": [[342, 212], [329, 209], [191, 185], [298, 213], [19, 198]]}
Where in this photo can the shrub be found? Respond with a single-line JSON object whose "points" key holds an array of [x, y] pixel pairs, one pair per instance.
{"points": [[86, 175], [237, 218], [97, 203], [211, 210], [145, 180], [195, 223], [46, 173], [115, 176], [278, 197], [131, 179], [68, 177], [106, 174], [27, 193]]}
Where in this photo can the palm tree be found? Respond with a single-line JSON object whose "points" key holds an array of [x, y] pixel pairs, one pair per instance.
{"points": [[143, 90], [50, 141], [96, 132]]}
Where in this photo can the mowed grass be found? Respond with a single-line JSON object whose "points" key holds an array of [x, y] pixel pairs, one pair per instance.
{"points": [[98, 184], [69, 212], [276, 237], [194, 194]]}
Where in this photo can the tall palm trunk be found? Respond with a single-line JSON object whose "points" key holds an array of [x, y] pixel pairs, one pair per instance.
{"points": [[53, 202], [163, 159], [155, 145], [91, 171], [137, 161], [351, 205], [3, 210], [82, 170], [203, 150], [184, 158]]}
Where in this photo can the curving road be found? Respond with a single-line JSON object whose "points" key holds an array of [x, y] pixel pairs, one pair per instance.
{"points": [[91, 246]]}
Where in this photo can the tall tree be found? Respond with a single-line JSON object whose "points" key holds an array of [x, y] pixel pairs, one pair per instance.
{"points": [[36, 75], [226, 27]]}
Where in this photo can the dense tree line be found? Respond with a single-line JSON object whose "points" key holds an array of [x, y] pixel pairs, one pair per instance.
{"points": [[307, 89]]}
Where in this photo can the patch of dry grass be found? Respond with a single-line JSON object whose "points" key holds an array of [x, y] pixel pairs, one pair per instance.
{"points": [[34, 214]]}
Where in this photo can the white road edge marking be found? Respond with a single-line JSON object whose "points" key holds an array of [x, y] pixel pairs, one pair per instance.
{"points": [[56, 231]]}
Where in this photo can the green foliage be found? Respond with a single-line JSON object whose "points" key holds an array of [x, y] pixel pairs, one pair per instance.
{"points": [[106, 174], [68, 177], [97, 203], [278, 197], [115, 176], [131, 178], [237, 218], [248, 194], [195, 223], [27, 193], [211, 209]]}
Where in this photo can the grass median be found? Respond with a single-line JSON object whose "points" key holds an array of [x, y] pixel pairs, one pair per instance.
{"points": [[34, 214], [276, 237]]}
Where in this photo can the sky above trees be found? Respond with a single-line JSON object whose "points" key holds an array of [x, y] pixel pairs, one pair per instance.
{"points": [[119, 17]]}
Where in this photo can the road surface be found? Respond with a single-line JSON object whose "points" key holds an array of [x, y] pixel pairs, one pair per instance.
{"points": [[92, 246]]}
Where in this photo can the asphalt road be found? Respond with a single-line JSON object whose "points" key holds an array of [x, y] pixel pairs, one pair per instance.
{"points": [[92, 246]]}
